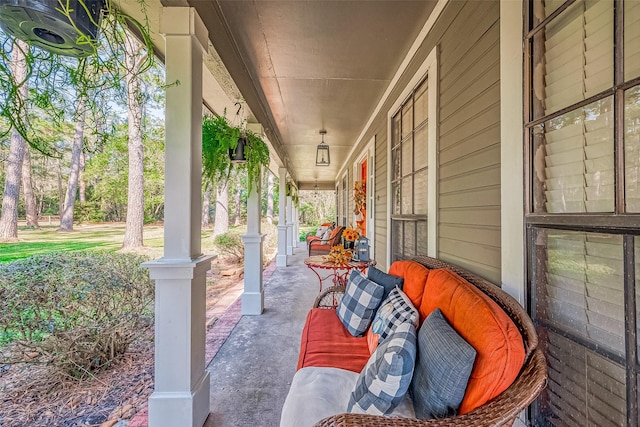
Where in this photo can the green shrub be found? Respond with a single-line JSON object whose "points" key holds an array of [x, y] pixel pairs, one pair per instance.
{"points": [[75, 311], [230, 244]]}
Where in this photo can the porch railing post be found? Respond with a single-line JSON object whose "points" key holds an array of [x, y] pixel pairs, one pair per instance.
{"points": [[289, 225]]}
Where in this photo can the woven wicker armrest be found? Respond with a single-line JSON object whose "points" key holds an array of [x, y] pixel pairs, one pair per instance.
{"points": [[330, 297]]}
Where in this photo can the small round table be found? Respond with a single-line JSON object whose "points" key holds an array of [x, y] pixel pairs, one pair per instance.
{"points": [[337, 272]]}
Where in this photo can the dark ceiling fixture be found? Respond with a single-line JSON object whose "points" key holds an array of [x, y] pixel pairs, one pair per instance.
{"points": [[40, 23], [323, 157]]}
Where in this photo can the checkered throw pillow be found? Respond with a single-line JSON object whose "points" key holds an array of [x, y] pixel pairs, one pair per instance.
{"points": [[359, 303], [394, 311], [385, 379]]}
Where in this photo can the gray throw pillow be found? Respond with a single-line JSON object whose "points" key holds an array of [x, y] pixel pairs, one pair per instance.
{"points": [[443, 365], [385, 379], [359, 303], [387, 280]]}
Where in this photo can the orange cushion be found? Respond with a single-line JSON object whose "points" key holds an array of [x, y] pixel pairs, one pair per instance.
{"points": [[334, 232], [483, 324], [312, 237], [326, 224], [415, 276], [326, 342]]}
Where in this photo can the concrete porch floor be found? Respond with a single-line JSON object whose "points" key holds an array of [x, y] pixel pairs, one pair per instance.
{"points": [[252, 371]]}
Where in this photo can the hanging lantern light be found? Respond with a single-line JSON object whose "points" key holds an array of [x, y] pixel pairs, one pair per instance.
{"points": [[322, 152]]}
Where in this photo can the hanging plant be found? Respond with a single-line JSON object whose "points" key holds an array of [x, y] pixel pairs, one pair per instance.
{"points": [[219, 142], [292, 191]]}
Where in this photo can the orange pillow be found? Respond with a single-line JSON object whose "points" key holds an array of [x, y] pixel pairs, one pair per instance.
{"points": [[415, 277], [334, 232], [483, 324]]}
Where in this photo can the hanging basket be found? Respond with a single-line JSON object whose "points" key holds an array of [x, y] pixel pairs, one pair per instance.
{"points": [[237, 155]]}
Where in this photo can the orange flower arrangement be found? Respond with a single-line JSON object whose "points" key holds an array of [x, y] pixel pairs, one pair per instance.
{"points": [[350, 234], [339, 255]]}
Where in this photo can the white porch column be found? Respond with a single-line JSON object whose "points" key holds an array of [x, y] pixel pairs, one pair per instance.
{"points": [[181, 391], [296, 228], [253, 295], [281, 259], [289, 226]]}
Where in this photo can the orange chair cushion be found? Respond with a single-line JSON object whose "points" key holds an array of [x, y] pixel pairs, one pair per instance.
{"points": [[484, 325], [415, 277], [326, 342]]}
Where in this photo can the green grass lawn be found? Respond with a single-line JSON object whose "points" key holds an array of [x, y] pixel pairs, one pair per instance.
{"points": [[86, 236]]}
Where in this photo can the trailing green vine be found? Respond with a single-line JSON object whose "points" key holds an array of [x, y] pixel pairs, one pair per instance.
{"points": [[218, 137], [56, 82]]}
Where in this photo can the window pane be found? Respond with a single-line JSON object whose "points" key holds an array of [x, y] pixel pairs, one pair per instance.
{"points": [[395, 198], [631, 39], [420, 149], [397, 240], [407, 156], [409, 239], [422, 238], [421, 104], [407, 119], [420, 196], [580, 286], [395, 130], [573, 169], [578, 55], [407, 196], [632, 148], [395, 163], [584, 389]]}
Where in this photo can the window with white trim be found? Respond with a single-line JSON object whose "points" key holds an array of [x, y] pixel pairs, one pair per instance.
{"points": [[409, 168]]}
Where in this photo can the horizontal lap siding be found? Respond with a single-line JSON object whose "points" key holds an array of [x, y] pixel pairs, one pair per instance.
{"points": [[467, 35], [469, 141]]}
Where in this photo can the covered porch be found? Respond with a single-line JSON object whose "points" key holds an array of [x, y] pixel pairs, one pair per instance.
{"points": [[446, 118]]}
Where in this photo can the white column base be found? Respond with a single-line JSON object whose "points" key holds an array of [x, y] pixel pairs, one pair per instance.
{"points": [[181, 390], [290, 238], [253, 295], [181, 408], [282, 258]]}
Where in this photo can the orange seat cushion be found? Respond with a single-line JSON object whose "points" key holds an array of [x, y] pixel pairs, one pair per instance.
{"points": [[372, 339], [326, 342], [415, 276], [484, 325]]}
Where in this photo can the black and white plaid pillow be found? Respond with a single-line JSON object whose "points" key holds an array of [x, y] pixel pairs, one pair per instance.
{"points": [[394, 310], [359, 303], [385, 379]]}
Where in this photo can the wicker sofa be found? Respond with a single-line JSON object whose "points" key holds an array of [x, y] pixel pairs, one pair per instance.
{"points": [[499, 410]]}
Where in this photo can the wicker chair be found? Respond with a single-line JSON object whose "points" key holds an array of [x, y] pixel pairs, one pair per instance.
{"points": [[501, 411], [322, 247]]}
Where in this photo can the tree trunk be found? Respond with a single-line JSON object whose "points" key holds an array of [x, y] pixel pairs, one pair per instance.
{"points": [[60, 196], [13, 173], [30, 204], [238, 200], [270, 189], [66, 219], [135, 198], [82, 186], [206, 205], [221, 223]]}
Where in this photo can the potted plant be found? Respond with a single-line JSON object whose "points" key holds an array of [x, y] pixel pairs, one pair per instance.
{"points": [[220, 142]]}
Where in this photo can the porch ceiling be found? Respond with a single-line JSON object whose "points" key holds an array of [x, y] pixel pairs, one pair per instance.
{"points": [[307, 65]]}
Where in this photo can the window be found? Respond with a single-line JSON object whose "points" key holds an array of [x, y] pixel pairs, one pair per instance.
{"points": [[345, 199], [409, 168], [582, 132]]}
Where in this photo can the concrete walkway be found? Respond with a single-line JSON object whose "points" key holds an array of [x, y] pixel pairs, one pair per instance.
{"points": [[252, 371]]}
